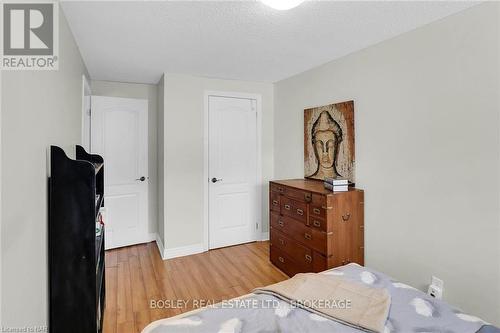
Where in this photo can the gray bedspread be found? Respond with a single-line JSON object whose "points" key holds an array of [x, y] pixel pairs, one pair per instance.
{"points": [[411, 311]]}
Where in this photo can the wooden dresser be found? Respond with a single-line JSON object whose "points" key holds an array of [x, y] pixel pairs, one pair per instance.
{"points": [[313, 229]]}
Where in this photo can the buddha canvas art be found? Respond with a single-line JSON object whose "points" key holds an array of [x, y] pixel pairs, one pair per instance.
{"points": [[329, 141]]}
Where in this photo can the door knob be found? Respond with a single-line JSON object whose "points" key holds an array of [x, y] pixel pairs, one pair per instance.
{"points": [[141, 179], [215, 180]]}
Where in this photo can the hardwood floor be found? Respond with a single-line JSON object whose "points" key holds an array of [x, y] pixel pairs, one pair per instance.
{"points": [[136, 276]]}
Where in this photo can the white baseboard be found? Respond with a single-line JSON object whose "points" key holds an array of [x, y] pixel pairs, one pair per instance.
{"points": [[161, 248], [178, 251], [182, 251]]}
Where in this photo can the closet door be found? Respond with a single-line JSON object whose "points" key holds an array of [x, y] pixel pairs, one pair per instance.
{"points": [[232, 170]]}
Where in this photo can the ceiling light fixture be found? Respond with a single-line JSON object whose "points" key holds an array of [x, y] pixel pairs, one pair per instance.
{"points": [[282, 4]]}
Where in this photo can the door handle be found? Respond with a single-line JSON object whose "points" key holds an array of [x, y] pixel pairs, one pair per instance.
{"points": [[141, 179], [215, 180]]}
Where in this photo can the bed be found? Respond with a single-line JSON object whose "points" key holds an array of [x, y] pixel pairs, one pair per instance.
{"points": [[410, 311]]}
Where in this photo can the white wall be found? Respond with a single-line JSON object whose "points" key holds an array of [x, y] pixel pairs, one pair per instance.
{"points": [[39, 108], [86, 109], [1, 247], [183, 149], [161, 163], [427, 151], [150, 93]]}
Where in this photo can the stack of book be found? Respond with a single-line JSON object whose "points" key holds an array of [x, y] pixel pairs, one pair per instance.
{"points": [[337, 184]]}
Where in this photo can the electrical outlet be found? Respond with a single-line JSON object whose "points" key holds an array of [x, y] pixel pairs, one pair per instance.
{"points": [[436, 288], [435, 281], [435, 292]]}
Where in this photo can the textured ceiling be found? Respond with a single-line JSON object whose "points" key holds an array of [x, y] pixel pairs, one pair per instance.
{"points": [[241, 40]]}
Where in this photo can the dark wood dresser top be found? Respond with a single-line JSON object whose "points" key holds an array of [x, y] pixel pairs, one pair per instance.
{"points": [[310, 185]]}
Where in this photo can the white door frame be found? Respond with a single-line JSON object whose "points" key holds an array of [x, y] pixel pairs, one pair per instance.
{"points": [[1, 222], [86, 91], [258, 195]]}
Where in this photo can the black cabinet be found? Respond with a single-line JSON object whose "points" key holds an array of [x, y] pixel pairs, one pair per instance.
{"points": [[76, 248]]}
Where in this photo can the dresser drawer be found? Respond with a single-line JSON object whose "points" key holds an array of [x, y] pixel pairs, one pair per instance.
{"points": [[280, 223], [277, 188], [283, 261], [274, 201], [298, 195], [294, 209], [317, 211], [318, 223], [320, 262], [310, 237], [297, 252]]}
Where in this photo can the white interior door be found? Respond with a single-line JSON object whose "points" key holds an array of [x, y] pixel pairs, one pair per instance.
{"points": [[232, 163], [119, 134]]}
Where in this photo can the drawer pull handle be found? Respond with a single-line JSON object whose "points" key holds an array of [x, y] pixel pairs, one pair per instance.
{"points": [[281, 224], [346, 217], [317, 223], [307, 236], [300, 212], [309, 258], [281, 259], [280, 189], [287, 207], [275, 202], [316, 211], [282, 241], [307, 197]]}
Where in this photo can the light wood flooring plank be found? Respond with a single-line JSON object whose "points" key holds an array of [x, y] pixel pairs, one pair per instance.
{"points": [[136, 276]]}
